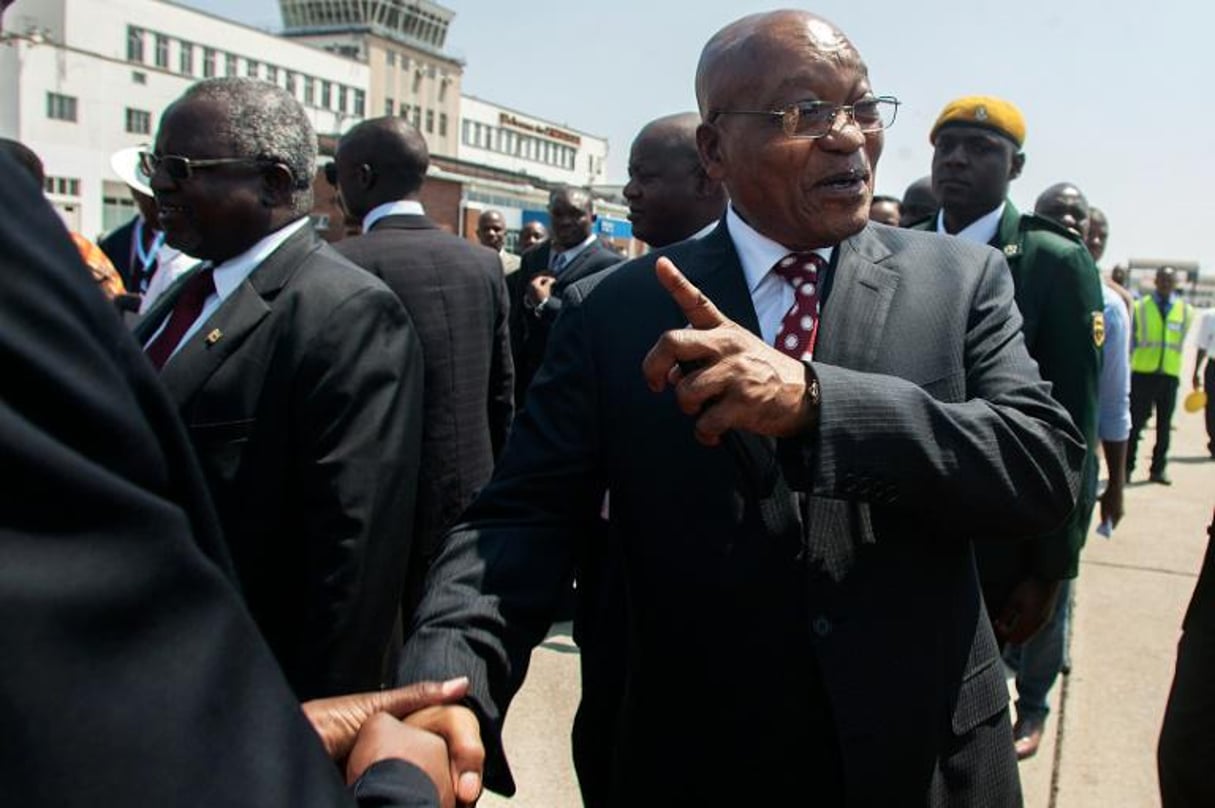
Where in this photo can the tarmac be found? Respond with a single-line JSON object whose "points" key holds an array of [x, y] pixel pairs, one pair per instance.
{"points": [[1099, 749]]}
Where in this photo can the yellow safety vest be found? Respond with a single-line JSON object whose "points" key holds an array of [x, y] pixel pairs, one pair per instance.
{"points": [[1157, 342]]}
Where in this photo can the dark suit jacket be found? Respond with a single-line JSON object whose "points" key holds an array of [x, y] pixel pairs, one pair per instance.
{"points": [[132, 673], [529, 333], [456, 296], [306, 413], [743, 658]]}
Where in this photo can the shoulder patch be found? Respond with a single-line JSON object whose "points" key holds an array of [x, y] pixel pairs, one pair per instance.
{"points": [[1099, 328]]}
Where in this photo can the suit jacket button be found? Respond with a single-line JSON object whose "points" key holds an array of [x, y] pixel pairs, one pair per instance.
{"points": [[821, 626]]}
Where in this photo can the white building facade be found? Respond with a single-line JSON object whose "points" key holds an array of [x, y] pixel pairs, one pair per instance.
{"points": [[510, 140], [81, 79]]}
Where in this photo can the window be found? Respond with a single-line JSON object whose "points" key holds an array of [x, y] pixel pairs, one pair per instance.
{"points": [[62, 186], [360, 104], [139, 77], [430, 121], [342, 98], [442, 124], [390, 106], [134, 44], [61, 107], [186, 59], [326, 94], [162, 51], [208, 63], [309, 91], [252, 68], [229, 64], [139, 121]]}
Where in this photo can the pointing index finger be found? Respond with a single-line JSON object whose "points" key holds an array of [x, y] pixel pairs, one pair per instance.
{"points": [[700, 311]]}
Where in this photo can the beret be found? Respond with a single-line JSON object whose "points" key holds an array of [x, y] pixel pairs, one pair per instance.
{"points": [[991, 113]]}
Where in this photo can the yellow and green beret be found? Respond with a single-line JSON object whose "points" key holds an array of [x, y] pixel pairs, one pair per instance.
{"points": [[991, 113]]}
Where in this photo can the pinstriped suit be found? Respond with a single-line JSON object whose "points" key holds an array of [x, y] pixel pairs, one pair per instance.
{"points": [[884, 686]]}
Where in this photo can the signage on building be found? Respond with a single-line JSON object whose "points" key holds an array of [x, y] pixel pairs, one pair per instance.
{"points": [[514, 122]]}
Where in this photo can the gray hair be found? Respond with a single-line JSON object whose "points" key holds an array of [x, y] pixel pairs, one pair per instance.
{"points": [[266, 122]]}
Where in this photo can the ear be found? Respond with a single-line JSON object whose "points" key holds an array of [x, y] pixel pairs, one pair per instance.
{"points": [[708, 144], [1018, 163], [278, 186]]}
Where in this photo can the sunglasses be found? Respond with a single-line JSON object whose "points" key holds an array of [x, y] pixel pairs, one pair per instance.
{"points": [[182, 168]]}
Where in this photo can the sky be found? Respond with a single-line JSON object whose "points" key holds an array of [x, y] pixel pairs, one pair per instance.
{"points": [[1111, 91]]}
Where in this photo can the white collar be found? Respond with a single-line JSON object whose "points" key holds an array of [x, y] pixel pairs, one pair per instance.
{"points": [[399, 208], [981, 231], [231, 273], [704, 231], [573, 252], [756, 252]]}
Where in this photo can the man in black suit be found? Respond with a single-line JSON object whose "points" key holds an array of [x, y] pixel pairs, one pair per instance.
{"points": [[795, 523], [456, 296], [545, 272], [133, 673], [299, 377], [1187, 738]]}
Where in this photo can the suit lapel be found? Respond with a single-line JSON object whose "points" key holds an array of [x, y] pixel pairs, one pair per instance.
{"points": [[861, 293], [225, 330]]}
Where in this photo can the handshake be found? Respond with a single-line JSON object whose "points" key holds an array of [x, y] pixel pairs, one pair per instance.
{"points": [[421, 723]]}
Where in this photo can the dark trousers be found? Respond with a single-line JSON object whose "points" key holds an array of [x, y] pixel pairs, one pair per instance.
{"points": [[1148, 390], [1208, 384]]}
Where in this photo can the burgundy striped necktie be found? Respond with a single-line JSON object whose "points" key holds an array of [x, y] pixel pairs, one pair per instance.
{"points": [[186, 308]]}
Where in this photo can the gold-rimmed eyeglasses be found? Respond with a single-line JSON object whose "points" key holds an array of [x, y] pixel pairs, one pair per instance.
{"points": [[815, 119]]}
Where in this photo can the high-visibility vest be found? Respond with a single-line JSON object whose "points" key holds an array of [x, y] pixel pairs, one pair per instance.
{"points": [[1157, 341]]}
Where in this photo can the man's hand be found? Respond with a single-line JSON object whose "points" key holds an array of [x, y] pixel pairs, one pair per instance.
{"points": [[539, 289], [459, 727], [1026, 610], [338, 720], [385, 738], [739, 381]]}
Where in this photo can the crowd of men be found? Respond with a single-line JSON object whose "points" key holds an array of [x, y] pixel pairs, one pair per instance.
{"points": [[807, 471]]}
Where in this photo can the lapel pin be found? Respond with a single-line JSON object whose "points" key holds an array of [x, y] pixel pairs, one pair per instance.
{"points": [[214, 337]]}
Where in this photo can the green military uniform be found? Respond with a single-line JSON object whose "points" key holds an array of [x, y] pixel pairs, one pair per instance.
{"points": [[1058, 290]]}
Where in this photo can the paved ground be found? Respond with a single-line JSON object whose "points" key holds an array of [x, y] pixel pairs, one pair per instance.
{"points": [[1101, 739]]}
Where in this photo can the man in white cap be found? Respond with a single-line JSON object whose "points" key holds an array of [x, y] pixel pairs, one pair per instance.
{"points": [[138, 251]]}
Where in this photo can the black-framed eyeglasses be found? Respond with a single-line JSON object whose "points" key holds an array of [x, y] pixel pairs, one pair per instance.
{"points": [[815, 119], [182, 168]]}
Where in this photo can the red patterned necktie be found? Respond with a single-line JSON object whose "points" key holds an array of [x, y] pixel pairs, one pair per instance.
{"points": [[799, 328], [186, 308]]}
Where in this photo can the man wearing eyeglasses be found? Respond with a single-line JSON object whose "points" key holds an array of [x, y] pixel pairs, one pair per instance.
{"points": [[299, 377], [977, 153], [803, 420]]}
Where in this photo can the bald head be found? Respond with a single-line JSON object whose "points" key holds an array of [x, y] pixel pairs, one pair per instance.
{"points": [[746, 48], [380, 160], [1064, 203], [670, 196], [918, 202]]}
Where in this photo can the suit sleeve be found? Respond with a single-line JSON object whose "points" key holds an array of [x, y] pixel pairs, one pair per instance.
{"points": [[357, 467], [494, 590], [501, 404], [1005, 459], [132, 675]]}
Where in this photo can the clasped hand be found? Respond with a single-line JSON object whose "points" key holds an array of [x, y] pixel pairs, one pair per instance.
{"points": [[724, 375], [420, 723]]}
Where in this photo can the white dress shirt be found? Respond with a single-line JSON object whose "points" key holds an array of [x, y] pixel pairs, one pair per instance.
{"points": [[981, 231], [230, 275], [771, 294], [401, 207]]}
